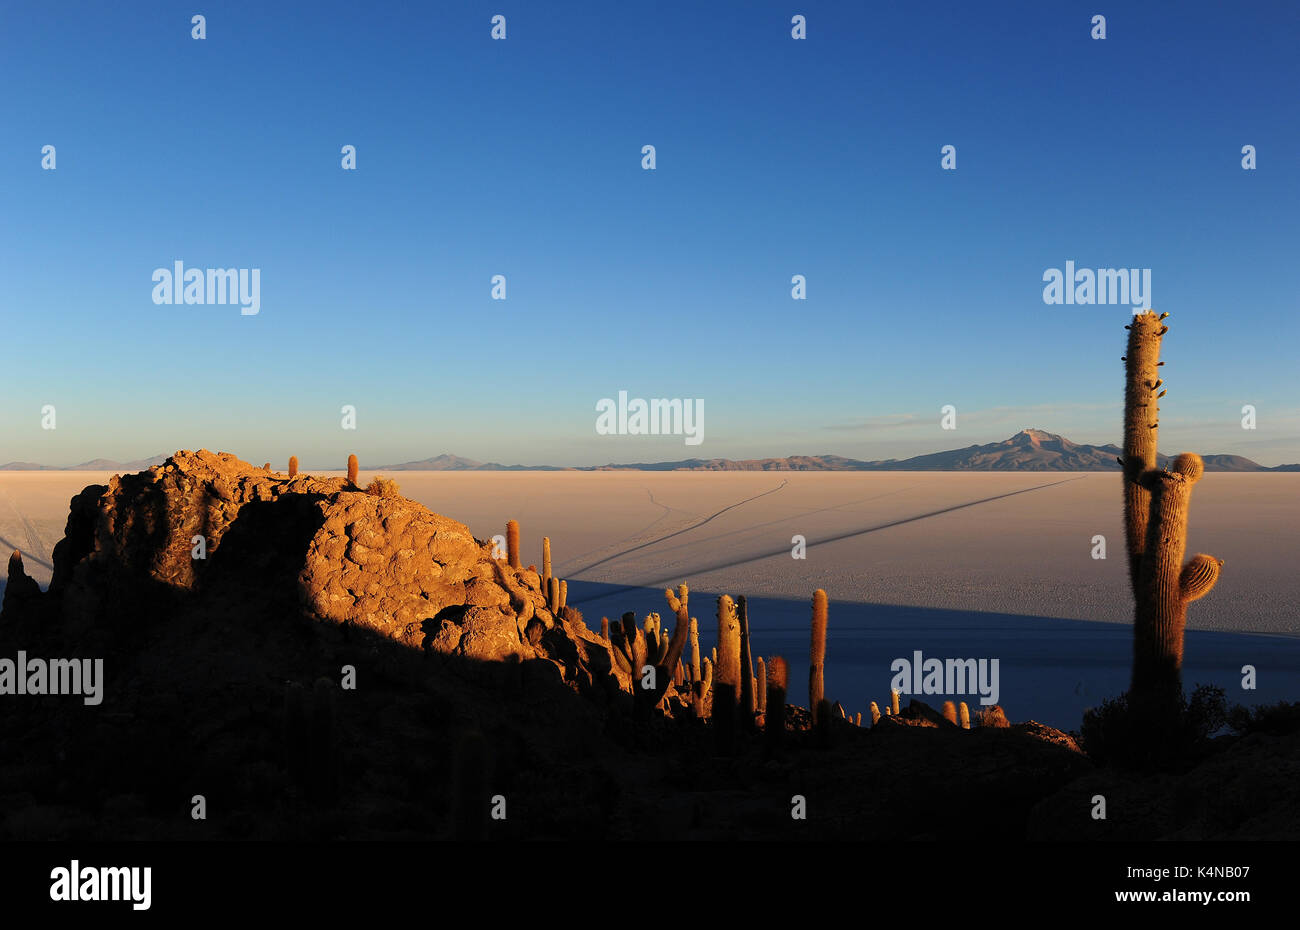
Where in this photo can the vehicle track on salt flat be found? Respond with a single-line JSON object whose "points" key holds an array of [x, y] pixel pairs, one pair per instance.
{"points": [[35, 548], [838, 537], [685, 529], [799, 516]]}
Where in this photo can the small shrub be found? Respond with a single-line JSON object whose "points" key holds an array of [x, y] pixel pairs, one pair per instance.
{"points": [[570, 614], [383, 487], [993, 717], [1115, 733], [1278, 719]]}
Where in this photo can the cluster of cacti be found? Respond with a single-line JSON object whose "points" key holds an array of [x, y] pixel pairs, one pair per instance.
{"points": [[734, 689], [1155, 519]]}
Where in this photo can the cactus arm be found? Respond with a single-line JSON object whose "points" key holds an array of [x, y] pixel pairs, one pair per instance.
{"points": [[1199, 576]]}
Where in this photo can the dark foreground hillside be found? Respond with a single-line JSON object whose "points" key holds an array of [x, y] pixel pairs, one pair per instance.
{"points": [[343, 663]]}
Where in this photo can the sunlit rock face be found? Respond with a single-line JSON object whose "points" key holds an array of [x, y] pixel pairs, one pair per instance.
{"points": [[206, 531]]}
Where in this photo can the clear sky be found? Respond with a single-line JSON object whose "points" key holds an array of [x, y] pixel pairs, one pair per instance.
{"points": [[523, 158]]}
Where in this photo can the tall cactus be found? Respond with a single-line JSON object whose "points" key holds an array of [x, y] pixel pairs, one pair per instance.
{"points": [[695, 648], [353, 467], [748, 700], [1155, 519], [546, 562], [726, 670], [512, 543], [774, 719], [293, 466], [817, 655]]}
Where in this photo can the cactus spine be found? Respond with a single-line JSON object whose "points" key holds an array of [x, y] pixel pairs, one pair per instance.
{"points": [[1155, 519], [352, 470], [293, 466], [817, 665]]}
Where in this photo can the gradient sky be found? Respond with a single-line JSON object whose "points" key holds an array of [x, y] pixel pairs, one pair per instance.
{"points": [[523, 157]]}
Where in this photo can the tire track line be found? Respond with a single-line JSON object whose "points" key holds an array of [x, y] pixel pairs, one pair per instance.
{"points": [[685, 529], [718, 566]]}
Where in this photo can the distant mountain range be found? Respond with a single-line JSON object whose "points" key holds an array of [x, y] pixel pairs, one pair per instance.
{"points": [[456, 463], [1028, 450], [92, 465]]}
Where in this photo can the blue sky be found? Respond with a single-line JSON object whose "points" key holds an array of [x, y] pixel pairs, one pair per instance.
{"points": [[522, 157]]}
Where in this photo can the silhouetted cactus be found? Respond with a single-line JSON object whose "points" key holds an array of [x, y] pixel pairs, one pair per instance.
{"points": [[748, 700], [726, 670], [774, 730], [293, 466], [817, 654], [1155, 518], [353, 468], [512, 544]]}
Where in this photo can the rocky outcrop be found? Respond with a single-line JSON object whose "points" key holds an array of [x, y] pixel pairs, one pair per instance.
{"points": [[207, 530], [20, 588]]}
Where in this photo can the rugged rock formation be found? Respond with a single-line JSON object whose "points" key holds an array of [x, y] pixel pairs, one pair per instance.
{"points": [[206, 529]]}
